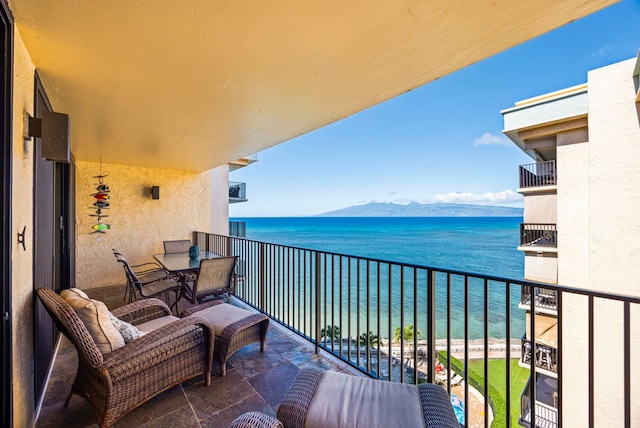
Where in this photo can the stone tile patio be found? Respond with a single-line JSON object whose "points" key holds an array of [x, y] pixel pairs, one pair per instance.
{"points": [[254, 381]]}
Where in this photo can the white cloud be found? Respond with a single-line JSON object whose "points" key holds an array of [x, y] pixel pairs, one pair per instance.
{"points": [[489, 139], [604, 50], [505, 197]]}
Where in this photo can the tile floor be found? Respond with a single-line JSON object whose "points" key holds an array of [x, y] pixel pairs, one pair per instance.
{"points": [[254, 381]]}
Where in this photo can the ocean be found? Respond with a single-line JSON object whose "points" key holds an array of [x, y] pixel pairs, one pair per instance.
{"points": [[483, 245]]}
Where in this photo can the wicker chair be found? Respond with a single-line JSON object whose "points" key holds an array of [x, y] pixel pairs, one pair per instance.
{"points": [[179, 246], [118, 382], [432, 400], [215, 277], [249, 328], [255, 420]]}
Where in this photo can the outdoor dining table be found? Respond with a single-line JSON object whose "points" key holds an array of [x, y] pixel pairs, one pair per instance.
{"points": [[181, 263], [181, 266]]}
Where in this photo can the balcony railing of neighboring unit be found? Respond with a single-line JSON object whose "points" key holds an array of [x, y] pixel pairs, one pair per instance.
{"points": [[238, 229], [401, 322], [237, 191], [538, 235], [545, 357], [538, 174], [545, 416], [545, 298]]}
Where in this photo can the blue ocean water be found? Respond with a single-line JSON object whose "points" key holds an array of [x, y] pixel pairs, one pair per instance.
{"points": [[475, 244], [483, 245]]}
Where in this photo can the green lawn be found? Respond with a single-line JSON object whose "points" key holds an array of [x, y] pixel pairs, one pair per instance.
{"points": [[497, 380]]}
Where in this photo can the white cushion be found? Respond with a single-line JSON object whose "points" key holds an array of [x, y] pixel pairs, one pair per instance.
{"points": [[341, 399], [222, 315], [95, 316]]}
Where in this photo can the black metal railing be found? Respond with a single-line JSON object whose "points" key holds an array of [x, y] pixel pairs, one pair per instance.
{"points": [[405, 322], [545, 297], [545, 357], [538, 235], [238, 229], [545, 416], [237, 191], [538, 174]]}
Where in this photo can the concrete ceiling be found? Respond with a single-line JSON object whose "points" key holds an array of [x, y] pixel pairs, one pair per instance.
{"points": [[192, 85]]}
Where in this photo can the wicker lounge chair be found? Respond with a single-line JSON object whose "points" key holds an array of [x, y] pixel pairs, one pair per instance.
{"points": [[235, 328], [255, 420], [345, 400], [117, 382]]}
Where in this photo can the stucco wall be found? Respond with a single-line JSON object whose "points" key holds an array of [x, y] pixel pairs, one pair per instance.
{"points": [[138, 223], [603, 216], [541, 267], [540, 208], [22, 261], [219, 200]]}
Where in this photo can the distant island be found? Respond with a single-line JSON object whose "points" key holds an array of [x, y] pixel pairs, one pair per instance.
{"points": [[414, 209]]}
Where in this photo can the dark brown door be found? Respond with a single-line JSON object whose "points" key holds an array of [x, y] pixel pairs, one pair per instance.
{"points": [[6, 237], [53, 240]]}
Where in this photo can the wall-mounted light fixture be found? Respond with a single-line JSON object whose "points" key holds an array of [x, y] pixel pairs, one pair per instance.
{"points": [[155, 192], [53, 130]]}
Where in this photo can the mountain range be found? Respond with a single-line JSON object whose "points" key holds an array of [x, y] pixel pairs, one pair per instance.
{"points": [[414, 209]]}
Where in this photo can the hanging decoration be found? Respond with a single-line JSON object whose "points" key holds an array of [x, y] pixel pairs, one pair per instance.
{"points": [[102, 203]]}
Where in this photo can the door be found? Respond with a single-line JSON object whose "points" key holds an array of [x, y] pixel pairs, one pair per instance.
{"points": [[6, 237], [53, 240]]}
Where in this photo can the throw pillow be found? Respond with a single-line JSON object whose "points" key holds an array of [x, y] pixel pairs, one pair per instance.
{"points": [[128, 331], [95, 316]]}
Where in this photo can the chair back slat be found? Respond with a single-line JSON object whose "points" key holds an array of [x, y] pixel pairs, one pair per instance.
{"points": [[180, 246], [70, 324]]}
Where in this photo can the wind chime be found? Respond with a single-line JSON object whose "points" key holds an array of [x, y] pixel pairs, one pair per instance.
{"points": [[102, 203]]}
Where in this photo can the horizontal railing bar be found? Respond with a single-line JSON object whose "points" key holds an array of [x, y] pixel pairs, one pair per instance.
{"points": [[561, 288]]}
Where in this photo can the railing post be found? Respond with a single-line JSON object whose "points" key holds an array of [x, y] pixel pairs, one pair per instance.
{"points": [[261, 277], [431, 327], [229, 246], [318, 279]]}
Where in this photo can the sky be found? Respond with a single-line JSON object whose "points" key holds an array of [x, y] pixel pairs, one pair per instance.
{"points": [[441, 142]]}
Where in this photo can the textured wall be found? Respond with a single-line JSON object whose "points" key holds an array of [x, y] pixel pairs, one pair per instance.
{"points": [[22, 261], [604, 217], [139, 224]]}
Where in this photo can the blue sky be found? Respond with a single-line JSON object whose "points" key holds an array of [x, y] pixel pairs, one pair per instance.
{"points": [[441, 142]]}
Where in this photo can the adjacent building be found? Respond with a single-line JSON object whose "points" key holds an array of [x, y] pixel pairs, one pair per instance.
{"points": [[580, 229]]}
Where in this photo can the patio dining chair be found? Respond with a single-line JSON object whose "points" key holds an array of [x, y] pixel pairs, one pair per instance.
{"points": [[215, 278], [179, 246], [150, 284], [148, 272]]}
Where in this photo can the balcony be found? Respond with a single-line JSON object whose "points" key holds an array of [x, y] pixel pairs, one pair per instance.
{"points": [[383, 319], [546, 299], [546, 357], [546, 412], [538, 235], [237, 192], [539, 174]]}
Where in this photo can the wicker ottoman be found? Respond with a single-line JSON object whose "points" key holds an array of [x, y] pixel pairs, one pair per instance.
{"points": [[331, 399], [234, 328]]}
